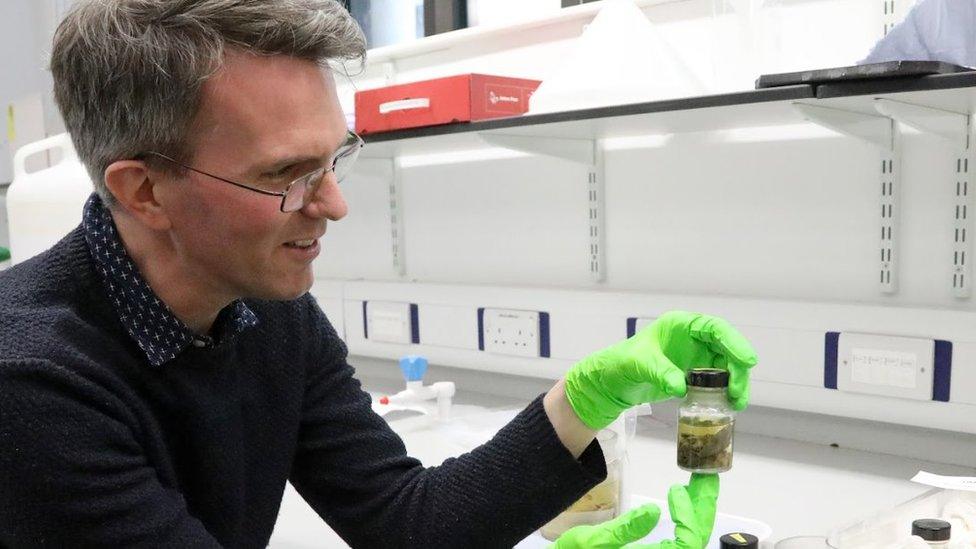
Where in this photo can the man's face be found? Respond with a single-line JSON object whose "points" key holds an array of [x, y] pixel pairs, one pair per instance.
{"points": [[263, 122]]}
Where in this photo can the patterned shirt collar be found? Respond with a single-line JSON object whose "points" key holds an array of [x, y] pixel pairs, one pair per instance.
{"points": [[158, 332]]}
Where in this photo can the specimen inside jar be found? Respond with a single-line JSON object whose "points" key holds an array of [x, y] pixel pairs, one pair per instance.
{"points": [[705, 443]]}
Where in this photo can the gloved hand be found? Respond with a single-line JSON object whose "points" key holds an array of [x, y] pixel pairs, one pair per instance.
{"points": [[651, 366], [692, 511]]}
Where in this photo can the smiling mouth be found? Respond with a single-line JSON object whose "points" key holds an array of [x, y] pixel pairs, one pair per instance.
{"points": [[300, 244]]}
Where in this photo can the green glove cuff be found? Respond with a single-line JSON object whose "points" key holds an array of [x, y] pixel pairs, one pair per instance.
{"points": [[593, 408]]}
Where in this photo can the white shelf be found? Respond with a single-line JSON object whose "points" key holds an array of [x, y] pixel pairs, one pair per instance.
{"points": [[758, 108], [745, 109]]}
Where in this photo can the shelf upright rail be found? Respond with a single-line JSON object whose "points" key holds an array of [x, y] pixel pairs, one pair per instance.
{"points": [[882, 132], [588, 152], [955, 130]]}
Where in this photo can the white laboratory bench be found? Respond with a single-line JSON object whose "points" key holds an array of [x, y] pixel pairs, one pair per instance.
{"points": [[795, 487]]}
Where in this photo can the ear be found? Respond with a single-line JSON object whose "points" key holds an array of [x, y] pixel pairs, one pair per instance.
{"points": [[135, 191]]}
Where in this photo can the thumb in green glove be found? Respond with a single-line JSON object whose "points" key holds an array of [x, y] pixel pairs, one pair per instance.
{"points": [[692, 509], [651, 366]]}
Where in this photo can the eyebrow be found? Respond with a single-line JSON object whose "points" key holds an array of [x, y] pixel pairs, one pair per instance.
{"points": [[278, 164], [287, 161]]}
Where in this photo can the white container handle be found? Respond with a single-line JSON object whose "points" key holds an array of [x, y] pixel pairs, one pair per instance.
{"points": [[405, 105], [61, 141]]}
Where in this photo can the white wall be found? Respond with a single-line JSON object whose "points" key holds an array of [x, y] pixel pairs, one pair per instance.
{"points": [[774, 228], [26, 28], [21, 66]]}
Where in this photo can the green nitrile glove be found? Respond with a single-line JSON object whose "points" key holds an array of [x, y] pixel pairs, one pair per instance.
{"points": [[612, 534], [651, 366], [692, 510]]}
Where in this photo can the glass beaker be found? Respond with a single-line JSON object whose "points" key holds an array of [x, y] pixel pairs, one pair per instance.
{"points": [[602, 502]]}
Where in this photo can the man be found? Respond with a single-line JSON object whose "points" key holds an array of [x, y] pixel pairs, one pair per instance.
{"points": [[163, 371], [934, 30]]}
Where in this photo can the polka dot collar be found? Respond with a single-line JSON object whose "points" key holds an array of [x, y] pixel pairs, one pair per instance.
{"points": [[145, 317]]}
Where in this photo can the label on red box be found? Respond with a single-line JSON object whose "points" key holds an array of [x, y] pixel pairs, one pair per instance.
{"points": [[506, 100]]}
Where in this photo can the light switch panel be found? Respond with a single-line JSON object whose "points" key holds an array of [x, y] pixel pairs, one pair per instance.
{"points": [[886, 365], [390, 321]]}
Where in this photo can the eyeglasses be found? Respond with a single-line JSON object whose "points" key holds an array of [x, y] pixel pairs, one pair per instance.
{"points": [[298, 193]]}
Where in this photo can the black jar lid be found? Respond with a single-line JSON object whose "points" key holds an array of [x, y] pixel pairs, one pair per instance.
{"points": [[738, 540], [931, 529], [708, 377]]}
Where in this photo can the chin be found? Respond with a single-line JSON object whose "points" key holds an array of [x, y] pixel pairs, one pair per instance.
{"points": [[297, 290], [279, 286], [281, 292]]}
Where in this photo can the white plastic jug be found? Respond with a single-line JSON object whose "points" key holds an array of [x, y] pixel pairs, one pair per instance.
{"points": [[44, 206]]}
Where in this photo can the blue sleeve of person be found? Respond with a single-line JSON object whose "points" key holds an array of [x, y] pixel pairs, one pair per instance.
{"points": [[934, 30]]}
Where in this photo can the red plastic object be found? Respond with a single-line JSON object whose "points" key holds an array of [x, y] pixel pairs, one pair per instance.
{"points": [[384, 400], [462, 98]]}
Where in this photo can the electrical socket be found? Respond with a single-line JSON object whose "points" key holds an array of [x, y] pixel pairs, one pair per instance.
{"points": [[391, 321], [514, 332]]}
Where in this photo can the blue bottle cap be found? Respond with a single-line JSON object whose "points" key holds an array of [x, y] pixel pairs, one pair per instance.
{"points": [[413, 367]]}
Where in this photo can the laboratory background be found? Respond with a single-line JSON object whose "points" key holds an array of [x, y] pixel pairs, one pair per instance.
{"points": [[543, 178]]}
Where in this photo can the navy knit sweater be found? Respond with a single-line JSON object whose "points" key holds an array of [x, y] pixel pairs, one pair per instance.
{"points": [[97, 448]]}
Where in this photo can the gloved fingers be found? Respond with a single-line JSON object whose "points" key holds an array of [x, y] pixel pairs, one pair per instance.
{"points": [[692, 511], [717, 333], [660, 371], [738, 390], [633, 525], [722, 338], [650, 365], [581, 536], [703, 489], [687, 534]]}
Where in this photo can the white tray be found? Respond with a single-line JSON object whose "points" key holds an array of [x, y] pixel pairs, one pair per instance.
{"points": [[724, 524]]}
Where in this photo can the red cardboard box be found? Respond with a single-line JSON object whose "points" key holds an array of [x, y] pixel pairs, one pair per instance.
{"points": [[460, 98]]}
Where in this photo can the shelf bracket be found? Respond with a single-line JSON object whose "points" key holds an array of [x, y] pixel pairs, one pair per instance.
{"points": [[588, 152], [581, 151], [875, 129], [956, 131], [949, 125], [882, 132]]}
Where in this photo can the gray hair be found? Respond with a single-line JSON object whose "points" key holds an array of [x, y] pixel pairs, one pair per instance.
{"points": [[128, 73]]}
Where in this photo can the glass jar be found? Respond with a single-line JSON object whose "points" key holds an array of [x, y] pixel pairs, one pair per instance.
{"points": [[706, 423], [602, 502]]}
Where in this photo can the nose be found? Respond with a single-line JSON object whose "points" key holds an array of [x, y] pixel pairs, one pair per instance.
{"points": [[326, 200]]}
